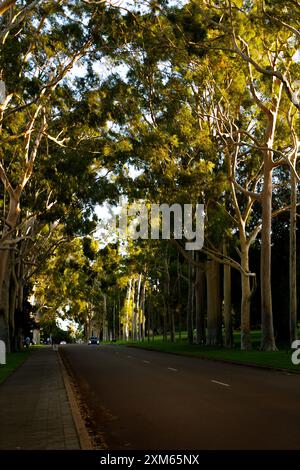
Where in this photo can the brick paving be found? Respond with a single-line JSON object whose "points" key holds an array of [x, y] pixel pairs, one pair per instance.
{"points": [[34, 408]]}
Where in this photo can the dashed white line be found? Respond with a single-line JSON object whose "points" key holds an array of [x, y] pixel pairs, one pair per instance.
{"points": [[172, 369], [146, 362], [220, 383], [129, 357]]}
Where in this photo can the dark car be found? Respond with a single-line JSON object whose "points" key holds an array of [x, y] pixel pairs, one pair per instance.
{"points": [[93, 340]]}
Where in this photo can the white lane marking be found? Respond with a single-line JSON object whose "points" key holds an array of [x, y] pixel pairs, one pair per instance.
{"points": [[129, 357], [220, 383], [172, 369], [146, 362]]}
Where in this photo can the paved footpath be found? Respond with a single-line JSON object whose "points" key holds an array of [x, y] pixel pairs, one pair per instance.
{"points": [[34, 409]]}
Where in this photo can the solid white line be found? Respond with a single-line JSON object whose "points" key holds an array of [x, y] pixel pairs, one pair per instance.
{"points": [[172, 369], [220, 383], [146, 362]]}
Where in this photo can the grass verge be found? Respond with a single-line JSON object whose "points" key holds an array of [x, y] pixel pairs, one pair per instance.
{"points": [[13, 361]]}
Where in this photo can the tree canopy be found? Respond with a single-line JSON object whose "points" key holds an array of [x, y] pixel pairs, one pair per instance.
{"points": [[193, 102]]}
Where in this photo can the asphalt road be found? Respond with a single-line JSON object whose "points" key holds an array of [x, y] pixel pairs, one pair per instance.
{"points": [[141, 399]]}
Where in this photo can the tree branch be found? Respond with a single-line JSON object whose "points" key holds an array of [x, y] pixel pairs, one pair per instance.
{"points": [[214, 254], [5, 181], [271, 73], [251, 194], [5, 5]]}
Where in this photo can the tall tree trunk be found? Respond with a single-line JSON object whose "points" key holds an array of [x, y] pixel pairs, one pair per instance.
{"points": [[214, 324], [13, 306], [227, 303], [137, 309], [172, 324], [4, 309], [19, 305], [127, 308], [179, 305], [246, 299], [119, 315], [10, 224], [5, 268], [149, 316], [200, 304], [154, 320], [190, 304], [114, 317], [89, 326], [293, 260], [143, 312], [165, 316], [133, 312], [105, 328], [169, 309], [268, 339], [245, 313]]}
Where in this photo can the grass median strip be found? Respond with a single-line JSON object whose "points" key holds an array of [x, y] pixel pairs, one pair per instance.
{"points": [[13, 361]]}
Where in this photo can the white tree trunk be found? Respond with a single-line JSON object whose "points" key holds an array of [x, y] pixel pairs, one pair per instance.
{"points": [[268, 339], [138, 308], [105, 329], [293, 260], [127, 307], [5, 272], [228, 343]]}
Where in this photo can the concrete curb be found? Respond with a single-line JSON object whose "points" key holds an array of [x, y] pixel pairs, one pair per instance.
{"points": [[223, 361], [82, 432]]}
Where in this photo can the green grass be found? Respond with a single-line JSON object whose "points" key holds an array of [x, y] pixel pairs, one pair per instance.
{"points": [[255, 338], [280, 359], [13, 361]]}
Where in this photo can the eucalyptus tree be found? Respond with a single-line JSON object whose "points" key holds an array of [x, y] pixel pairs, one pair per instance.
{"points": [[161, 132], [68, 286], [265, 48], [179, 143], [39, 112], [30, 81], [280, 20], [250, 52]]}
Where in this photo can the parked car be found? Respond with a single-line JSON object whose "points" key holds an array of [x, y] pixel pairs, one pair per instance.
{"points": [[93, 340]]}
